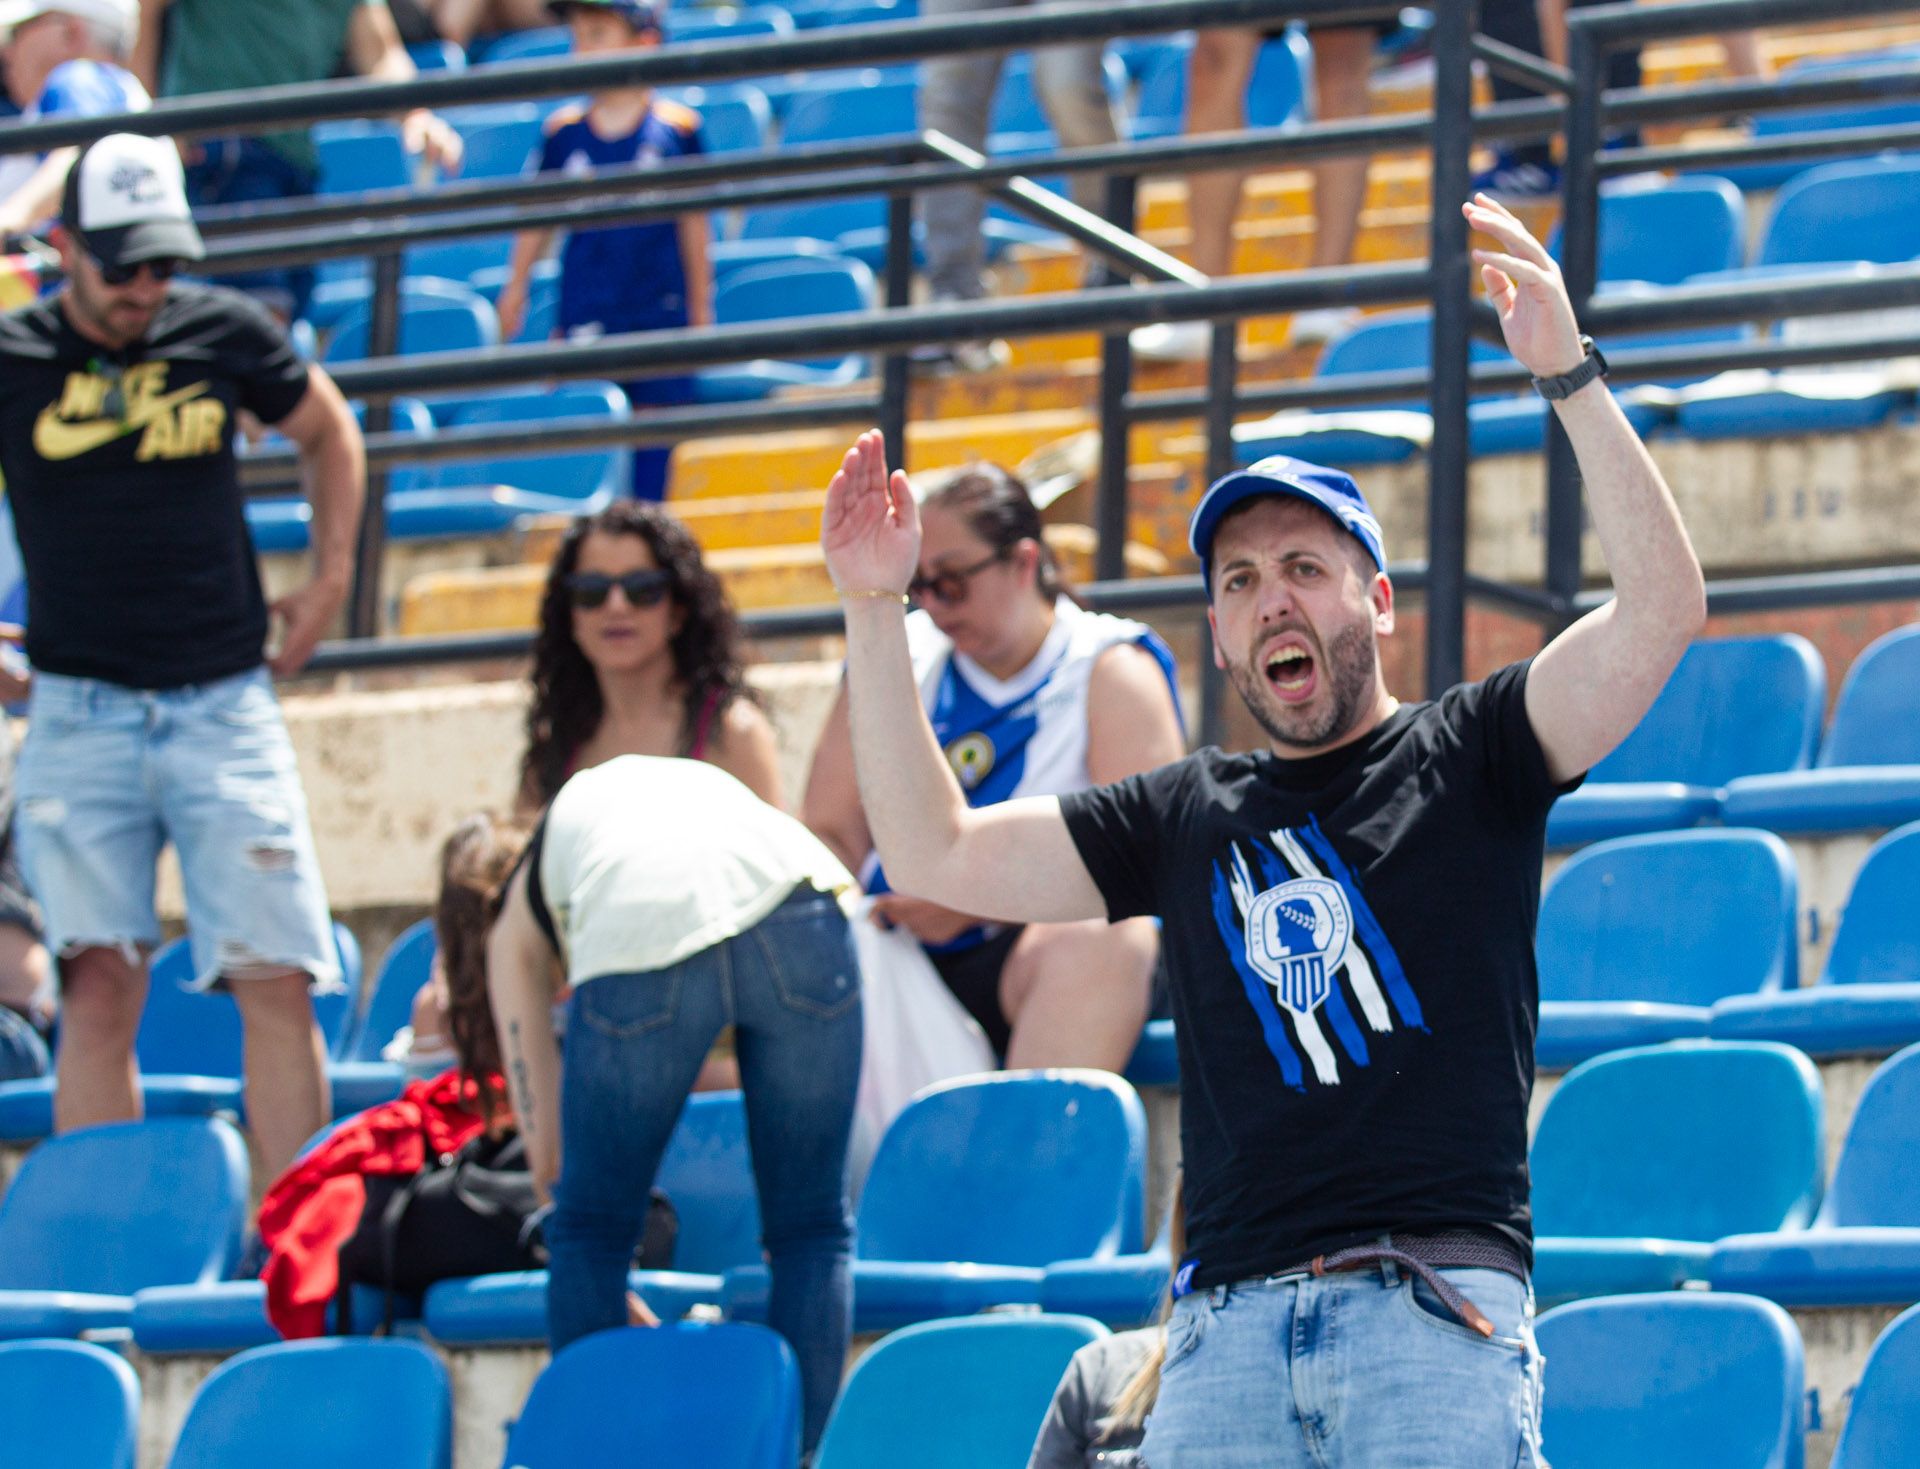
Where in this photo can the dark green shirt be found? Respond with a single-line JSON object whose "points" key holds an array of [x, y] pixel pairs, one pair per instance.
{"points": [[225, 45]]}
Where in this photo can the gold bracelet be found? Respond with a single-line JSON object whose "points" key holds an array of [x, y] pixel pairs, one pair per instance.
{"points": [[878, 592]]}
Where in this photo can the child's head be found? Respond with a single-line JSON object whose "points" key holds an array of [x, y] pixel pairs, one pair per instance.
{"points": [[608, 25]]}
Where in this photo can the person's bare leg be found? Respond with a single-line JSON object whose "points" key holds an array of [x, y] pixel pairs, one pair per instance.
{"points": [[1342, 64], [1077, 993], [1217, 75], [96, 1078], [1742, 49], [287, 1096]]}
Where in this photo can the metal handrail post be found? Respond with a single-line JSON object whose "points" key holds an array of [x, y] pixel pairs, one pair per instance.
{"points": [[383, 340], [1116, 376], [1452, 286], [896, 366], [1565, 523]]}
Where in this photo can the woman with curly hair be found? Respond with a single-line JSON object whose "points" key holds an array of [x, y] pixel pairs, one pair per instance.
{"points": [[638, 653]]}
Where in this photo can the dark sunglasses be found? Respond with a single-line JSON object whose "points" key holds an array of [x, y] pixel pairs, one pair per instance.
{"points": [[163, 269], [590, 589], [949, 588]]}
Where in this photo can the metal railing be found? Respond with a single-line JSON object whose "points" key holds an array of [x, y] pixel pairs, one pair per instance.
{"points": [[383, 224]]}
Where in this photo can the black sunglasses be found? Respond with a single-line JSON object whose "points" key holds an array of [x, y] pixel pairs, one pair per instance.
{"points": [[590, 589], [163, 269], [949, 588]]}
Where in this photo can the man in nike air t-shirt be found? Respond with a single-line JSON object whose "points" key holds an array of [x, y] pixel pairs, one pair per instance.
{"points": [[1347, 921], [152, 718]]}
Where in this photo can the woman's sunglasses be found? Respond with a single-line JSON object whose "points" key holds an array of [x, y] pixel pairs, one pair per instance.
{"points": [[590, 589], [949, 588], [163, 269]]}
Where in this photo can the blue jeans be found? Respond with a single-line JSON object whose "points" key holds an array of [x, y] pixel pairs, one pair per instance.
{"points": [[790, 988], [1366, 1370]]}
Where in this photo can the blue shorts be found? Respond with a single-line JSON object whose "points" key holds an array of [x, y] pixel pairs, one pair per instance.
{"points": [[108, 775]]}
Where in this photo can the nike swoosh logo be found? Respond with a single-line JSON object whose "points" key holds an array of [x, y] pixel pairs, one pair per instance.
{"points": [[55, 438]]}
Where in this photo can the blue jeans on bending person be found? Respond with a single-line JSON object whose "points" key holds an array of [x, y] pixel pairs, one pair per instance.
{"points": [[634, 1044], [1361, 1370]]}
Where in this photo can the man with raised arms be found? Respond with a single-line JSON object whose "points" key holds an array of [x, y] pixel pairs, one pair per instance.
{"points": [[1348, 919]]}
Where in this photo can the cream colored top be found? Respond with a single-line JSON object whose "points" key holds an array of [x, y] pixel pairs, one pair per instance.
{"points": [[645, 861]]}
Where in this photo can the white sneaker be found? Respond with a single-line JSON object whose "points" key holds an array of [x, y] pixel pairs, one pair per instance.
{"points": [[1322, 324], [1173, 341]]}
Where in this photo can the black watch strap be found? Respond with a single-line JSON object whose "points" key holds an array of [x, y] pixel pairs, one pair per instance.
{"points": [[1593, 365]]}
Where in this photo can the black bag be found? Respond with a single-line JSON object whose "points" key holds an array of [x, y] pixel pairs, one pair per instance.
{"points": [[473, 1212]]}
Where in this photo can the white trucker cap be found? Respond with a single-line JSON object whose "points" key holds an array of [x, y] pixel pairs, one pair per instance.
{"points": [[126, 201]]}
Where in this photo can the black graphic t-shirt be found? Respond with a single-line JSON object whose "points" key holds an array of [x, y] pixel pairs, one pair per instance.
{"points": [[125, 494], [1350, 943]]}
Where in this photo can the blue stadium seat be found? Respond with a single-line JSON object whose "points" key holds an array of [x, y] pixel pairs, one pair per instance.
{"points": [[1883, 1420], [1868, 999], [1644, 1157], [709, 1176], [1860, 210], [831, 113], [95, 1215], [1123, 1292], [727, 23], [574, 482], [522, 46], [283, 523], [214, 1319], [70, 1405], [321, 1404], [812, 15], [1771, 175], [964, 1394], [459, 260], [1664, 231], [1276, 92], [499, 149], [1864, 1245], [450, 324], [1640, 935], [1156, 1059], [437, 56], [188, 1045], [1052, 1164], [721, 1396], [1867, 777], [1401, 341], [1673, 1382], [728, 256], [798, 288], [736, 122], [359, 155], [360, 1078], [1734, 707]]}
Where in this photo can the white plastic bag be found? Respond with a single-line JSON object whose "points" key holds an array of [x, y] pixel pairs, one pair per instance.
{"points": [[917, 1033]]}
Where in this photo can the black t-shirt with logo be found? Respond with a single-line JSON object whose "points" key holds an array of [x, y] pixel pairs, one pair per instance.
{"points": [[126, 497], [1350, 943]]}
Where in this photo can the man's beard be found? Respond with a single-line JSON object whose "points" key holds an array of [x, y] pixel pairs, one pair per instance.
{"points": [[1346, 663]]}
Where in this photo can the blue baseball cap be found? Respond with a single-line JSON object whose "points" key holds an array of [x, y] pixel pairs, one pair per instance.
{"points": [[1279, 474], [636, 13]]}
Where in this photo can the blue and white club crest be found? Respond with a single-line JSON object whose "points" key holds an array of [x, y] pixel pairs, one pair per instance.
{"points": [[1298, 935]]}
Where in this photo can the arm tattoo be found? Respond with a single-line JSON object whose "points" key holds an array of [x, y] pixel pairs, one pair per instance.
{"points": [[517, 1066]]}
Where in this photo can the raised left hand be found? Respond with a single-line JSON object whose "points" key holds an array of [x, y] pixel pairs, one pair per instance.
{"points": [[307, 614], [1523, 283]]}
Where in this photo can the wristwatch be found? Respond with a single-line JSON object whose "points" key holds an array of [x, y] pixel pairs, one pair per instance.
{"points": [[1593, 365]]}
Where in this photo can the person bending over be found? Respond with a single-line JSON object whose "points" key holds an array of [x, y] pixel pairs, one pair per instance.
{"points": [[674, 901]]}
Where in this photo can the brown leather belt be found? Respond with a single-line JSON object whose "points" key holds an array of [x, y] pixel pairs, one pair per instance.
{"points": [[1425, 1256]]}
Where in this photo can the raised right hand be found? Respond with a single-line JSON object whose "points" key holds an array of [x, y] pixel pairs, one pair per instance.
{"points": [[871, 529]]}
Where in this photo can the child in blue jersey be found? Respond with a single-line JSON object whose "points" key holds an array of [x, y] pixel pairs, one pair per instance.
{"points": [[626, 278]]}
